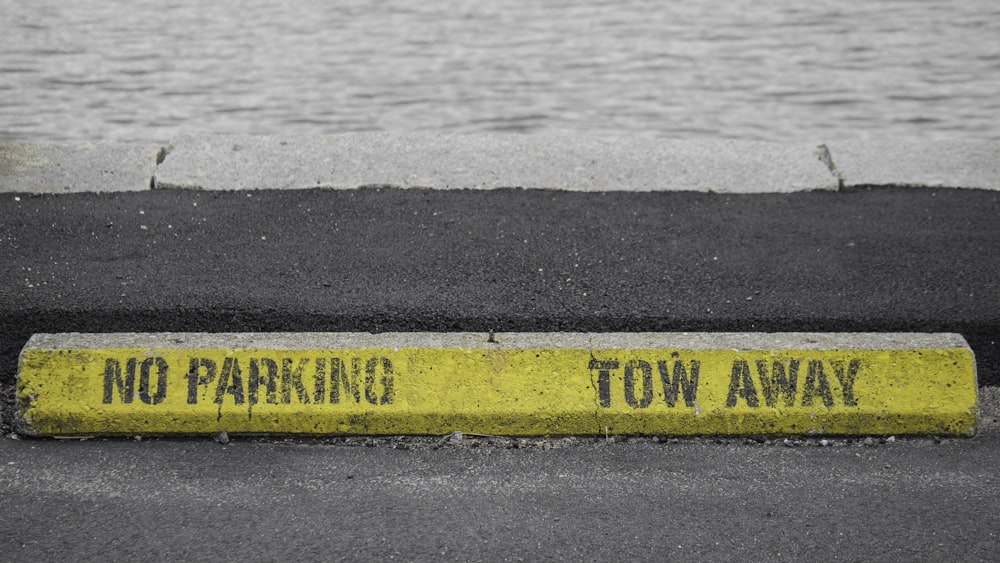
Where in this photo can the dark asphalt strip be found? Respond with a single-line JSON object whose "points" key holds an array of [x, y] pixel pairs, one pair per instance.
{"points": [[876, 259]]}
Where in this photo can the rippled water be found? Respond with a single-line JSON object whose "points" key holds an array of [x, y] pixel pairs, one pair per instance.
{"points": [[772, 70]]}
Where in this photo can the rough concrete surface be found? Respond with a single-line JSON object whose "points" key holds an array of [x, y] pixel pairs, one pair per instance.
{"points": [[501, 340], [957, 164], [490, 161], [495, 499], [524, 384], [105, 166], [566, 162]]}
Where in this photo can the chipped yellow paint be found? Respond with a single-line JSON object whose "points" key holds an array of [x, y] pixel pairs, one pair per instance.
{"points": [[530, 387]]}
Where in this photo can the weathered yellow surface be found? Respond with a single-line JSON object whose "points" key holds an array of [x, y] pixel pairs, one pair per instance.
{"points": [[494, 389]]}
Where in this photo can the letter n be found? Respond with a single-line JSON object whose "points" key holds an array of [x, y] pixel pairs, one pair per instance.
{"points": [[339, 377], [113, 378]]}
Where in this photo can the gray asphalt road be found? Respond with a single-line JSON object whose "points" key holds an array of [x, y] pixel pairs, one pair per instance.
{"points": [[378, 260], [487, 500], [509, 260]]}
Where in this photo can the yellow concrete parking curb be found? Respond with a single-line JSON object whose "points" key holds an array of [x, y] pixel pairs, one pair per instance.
{"points": [[514, 384]]}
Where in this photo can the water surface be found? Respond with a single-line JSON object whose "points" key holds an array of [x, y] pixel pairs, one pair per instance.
{"points": [[779, 70]]}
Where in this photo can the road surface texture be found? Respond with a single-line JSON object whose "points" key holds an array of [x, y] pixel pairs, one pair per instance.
{"points": [[381, 259], [878, 259], [495, 499]]}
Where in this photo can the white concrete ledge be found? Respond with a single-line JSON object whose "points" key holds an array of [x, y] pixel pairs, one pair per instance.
{"points": [[734, 341], [950, 164], [491, 161], [76, 167], [425, 160]]}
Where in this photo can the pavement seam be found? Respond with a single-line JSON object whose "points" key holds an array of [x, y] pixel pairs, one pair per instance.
{"points": [[826, 157], [161, 157]]}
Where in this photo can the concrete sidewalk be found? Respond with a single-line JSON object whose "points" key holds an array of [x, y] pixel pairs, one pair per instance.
{"points": [[496, 499], [564, 162]]}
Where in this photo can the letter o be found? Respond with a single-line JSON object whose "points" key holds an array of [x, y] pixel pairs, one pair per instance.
{"points": [[647, 383], [161, 380]]}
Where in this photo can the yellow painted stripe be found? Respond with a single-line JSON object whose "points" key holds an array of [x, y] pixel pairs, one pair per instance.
{"points": [[521, 384]]}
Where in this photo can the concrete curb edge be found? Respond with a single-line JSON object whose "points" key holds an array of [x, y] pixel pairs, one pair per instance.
{"points": [[425, 160], [506, 384]]}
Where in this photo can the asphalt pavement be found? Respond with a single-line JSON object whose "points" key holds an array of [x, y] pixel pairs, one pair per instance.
{"points": [[382, 259], [378, 259], [495, 499]]}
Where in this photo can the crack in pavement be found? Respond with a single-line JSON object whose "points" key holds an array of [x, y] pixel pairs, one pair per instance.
{"points": [[826, 157]]}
